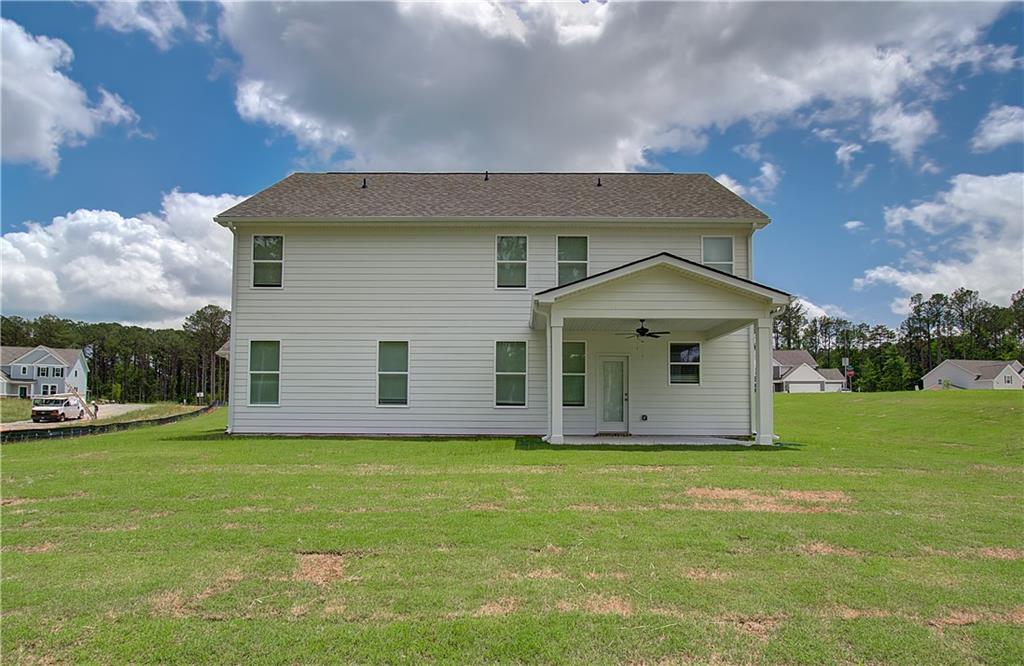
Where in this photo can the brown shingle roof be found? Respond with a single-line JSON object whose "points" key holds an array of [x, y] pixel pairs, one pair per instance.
{"points": [[984, 369], [321, 196], [10, 354], [831, 374], [793, 357]]}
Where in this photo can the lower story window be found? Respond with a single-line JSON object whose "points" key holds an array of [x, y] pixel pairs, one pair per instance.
{"points": [[392, 373], [684, 363], [264, 372], [49, 389], [574, 374], [510, 374]]}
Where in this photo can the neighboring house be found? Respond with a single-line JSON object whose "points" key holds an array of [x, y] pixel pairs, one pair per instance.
{"points": [[474, 303], [961, 374], [34, 371], [796, 371]]}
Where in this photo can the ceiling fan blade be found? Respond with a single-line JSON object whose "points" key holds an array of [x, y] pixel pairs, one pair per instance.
{"points": [[659, 333], [652, 335]]}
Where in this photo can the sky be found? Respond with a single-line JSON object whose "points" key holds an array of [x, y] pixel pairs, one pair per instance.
{"points": [[885, 141]]}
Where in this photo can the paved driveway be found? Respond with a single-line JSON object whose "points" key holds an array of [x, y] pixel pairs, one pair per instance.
{"points": [[106, 411]]}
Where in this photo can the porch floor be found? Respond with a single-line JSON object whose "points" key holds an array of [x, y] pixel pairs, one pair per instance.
{"points": [[654, 440]]}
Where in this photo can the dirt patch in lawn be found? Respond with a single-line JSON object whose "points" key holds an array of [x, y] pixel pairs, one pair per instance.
{"points": [[44, 547], [14, 501], [319, 568], [759, 626], [845, 613], [169, 604], [502, 606], [794, 501], [820, 548], [960, 618], [485, 506], [608, 605], [708, 574], [173, 604], [1002, 553], [611, 575]]}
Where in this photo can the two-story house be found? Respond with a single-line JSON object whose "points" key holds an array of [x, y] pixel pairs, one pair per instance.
{"points": [[558, 304], [26, 372]]}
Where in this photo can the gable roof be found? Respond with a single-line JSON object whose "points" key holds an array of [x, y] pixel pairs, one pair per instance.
{"points": [[662, 259], [982, 369], [10, 354], [793, 357], [832, 374], [453, 196], [7, 378]]}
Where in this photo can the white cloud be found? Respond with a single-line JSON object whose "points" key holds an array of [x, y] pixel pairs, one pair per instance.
{"points": [[750, 151], [43, 109], [853, 225], [973, 236], [100, 265], [845, 153], [580, 86], [814, 311], [904, 131], [1002, 126], [161, 20], [761, 187]]}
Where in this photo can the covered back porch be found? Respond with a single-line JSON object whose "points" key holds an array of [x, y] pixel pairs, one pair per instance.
{"points": [[691, 378]]}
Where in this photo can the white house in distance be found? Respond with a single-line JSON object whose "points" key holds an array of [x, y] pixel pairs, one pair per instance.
{"points": [[796, 371], [26, 372], [566, 305], [963, 374]]}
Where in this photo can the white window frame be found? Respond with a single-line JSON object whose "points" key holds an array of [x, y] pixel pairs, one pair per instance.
{"points": [[494, 376], [24, 369], [52, 389], [586, 371], [249, 371], [54, 369], [526, 262], [714, 264], [42, 371], [1007, 379], [379, 372], [253, 261], [699, 364], [559, 263]]}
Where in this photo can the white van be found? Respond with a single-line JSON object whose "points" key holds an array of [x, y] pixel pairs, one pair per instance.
{"points": [[56, 408]]}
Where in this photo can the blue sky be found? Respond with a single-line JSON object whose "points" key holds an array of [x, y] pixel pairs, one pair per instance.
{"points": [[885, 141]]}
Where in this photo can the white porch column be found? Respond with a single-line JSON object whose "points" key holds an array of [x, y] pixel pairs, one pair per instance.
{"points": [[765, 388], [555, 386]]}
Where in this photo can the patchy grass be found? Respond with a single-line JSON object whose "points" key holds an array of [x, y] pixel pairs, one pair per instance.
{"points": [[887, 529], [15, 409], [154, 411]]}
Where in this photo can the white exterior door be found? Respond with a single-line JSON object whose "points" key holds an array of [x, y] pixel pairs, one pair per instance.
{"points": [[614, 414]]}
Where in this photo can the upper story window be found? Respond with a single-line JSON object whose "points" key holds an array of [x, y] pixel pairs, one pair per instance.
{"points": [[684, 363], [24, 370], [1007, 379], [573, 258], [392, 373], [267, 261], [42, 372], [264, 372], [58, 372], [510, 255], [717, 252]]}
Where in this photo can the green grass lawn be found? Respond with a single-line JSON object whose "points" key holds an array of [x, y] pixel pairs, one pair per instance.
{"points": [[15, 409], [888, 529]]}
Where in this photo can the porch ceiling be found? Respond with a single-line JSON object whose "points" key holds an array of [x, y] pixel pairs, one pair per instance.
{"points": [[627, 325]]}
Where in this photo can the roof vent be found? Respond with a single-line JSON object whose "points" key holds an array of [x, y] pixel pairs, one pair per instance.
{"points": [[599, 181], [487, 175], [364, 184]]}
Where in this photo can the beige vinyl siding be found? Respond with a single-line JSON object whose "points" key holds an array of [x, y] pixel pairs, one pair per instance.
{"points": [[349, 285]]}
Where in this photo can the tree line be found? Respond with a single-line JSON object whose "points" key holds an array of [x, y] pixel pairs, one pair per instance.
{"points": [[958, 325], [135, 364]]}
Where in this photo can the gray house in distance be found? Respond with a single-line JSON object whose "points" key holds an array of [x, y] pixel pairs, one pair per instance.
{"points": [[26, 372], [958, 373]]}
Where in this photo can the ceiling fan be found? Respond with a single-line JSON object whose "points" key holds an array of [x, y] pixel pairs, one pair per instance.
{"points": [[643, 332]]}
